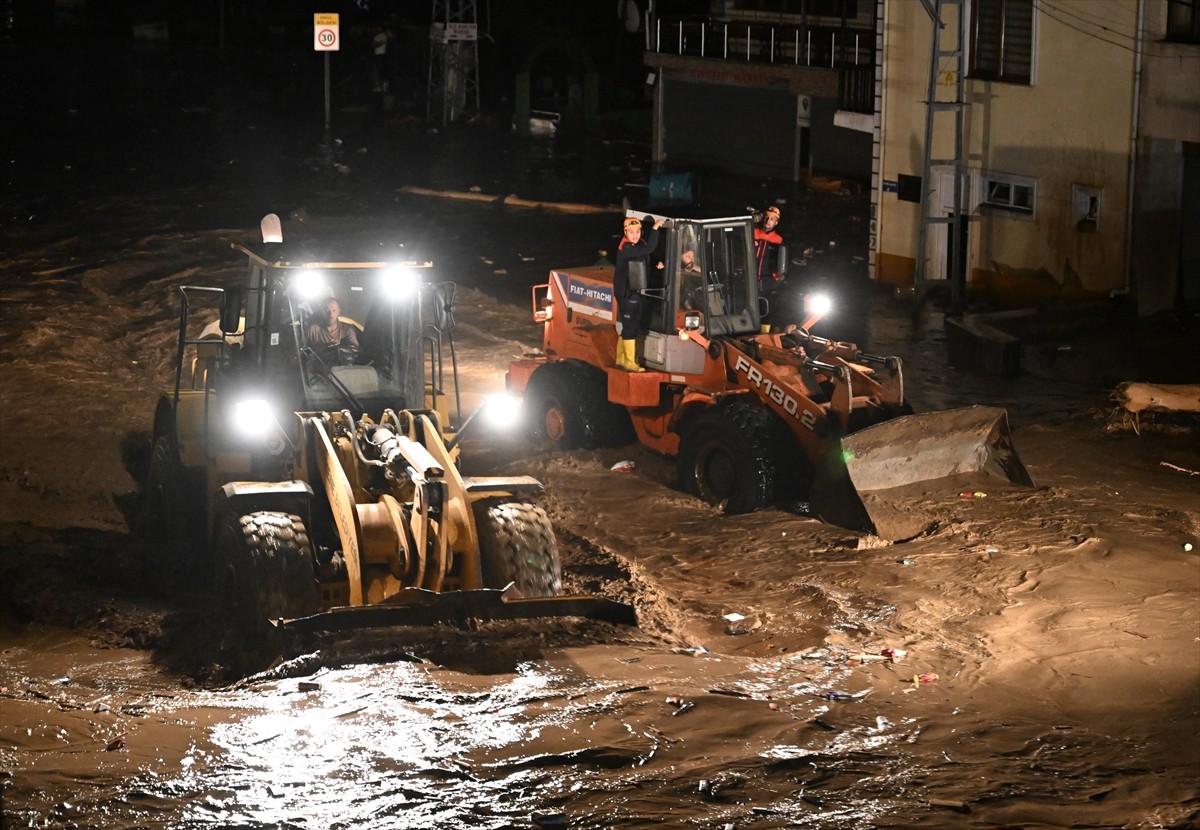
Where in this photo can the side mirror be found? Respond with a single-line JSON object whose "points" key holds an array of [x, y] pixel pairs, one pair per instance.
{"points": [[443, 306], [637, 275], [781, 261], [231, 310], [543, 306]]}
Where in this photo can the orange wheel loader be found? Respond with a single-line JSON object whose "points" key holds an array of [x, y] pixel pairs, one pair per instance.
{"points": [[751, 415]]}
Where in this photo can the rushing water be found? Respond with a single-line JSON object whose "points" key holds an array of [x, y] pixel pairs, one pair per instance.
{"points": [[131, 178]]}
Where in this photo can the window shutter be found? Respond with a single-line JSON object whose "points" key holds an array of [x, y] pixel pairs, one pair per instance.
{"points": [[1002, 40], [1018, 39], [988, 20]]}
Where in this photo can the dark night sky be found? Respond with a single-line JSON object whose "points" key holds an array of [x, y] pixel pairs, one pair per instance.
{"points": [[278, 32], [88, 108]]}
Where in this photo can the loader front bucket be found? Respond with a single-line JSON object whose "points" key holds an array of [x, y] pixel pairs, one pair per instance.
{"points": [[417, 606], [868, 484]]}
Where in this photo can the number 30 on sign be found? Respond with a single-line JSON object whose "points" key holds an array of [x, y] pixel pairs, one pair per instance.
{"points": [[325, 32]]}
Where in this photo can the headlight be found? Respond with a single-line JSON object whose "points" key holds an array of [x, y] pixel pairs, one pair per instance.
{"points": [[253, 418], [309, 284], [818, 304], [400, 283], [501, 410]]}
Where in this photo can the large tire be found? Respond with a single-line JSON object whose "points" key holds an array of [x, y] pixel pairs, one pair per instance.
{"points": [[726, 458], [517, 545], [567, 408], [170, 519], [264, 572], [794, 471]]}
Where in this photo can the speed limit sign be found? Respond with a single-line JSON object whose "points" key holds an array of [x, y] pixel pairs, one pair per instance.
{"points": [[325, 33]]}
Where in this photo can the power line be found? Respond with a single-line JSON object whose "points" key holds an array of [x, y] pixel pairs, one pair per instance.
{"points": [[1106, 22], [1044, 8], [1093, 22]]}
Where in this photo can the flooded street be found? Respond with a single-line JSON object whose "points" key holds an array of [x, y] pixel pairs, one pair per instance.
{"points": [[1031, 660]]}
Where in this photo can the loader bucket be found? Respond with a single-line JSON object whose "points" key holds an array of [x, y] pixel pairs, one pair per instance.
{"points": [[868, 484], [417, 606]]}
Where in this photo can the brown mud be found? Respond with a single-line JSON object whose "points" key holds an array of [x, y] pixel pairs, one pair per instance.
{"points": [[1044, 663]]}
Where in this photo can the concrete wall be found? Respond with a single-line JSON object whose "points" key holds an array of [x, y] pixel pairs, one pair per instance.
{"points": [[1061, 130], [906, 45], [837, 151], [754, 131], [1164, 238], [1156, 233], [743, 118], [744, 130], [1170, 105]]}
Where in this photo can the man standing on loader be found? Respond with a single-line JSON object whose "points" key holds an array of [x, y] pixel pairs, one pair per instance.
{"points": [[766, 252], [632, 247]]}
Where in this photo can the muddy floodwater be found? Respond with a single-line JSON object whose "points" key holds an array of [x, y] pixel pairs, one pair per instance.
{"points": [[1043, 670], [1030, 660]]}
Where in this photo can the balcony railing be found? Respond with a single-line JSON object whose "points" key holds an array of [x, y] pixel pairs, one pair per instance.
{"points": [[849, 51]]}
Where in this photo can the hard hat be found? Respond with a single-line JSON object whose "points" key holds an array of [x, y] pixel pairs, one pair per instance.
{"points": [[775, 210], [632, 222]]}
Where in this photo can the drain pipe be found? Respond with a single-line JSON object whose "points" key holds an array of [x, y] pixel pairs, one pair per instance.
{"points": [[1135, 134]]}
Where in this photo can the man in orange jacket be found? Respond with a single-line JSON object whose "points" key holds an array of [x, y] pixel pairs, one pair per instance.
{"points": [[767, 242]]}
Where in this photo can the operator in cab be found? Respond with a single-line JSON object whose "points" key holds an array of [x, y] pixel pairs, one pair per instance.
{"points": [[691, 281], [332, 335]]}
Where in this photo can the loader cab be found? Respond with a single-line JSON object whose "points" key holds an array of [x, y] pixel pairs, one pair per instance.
{"points": [[709, 269], [248, 361], [377, 365]]}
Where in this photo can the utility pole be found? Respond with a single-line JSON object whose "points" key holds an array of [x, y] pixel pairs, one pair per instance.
{"points": [[944, 97], [453, 62]]}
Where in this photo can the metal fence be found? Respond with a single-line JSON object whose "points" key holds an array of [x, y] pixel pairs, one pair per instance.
{"points": [[846, 50]]}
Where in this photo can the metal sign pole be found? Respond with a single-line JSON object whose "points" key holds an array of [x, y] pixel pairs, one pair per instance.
{"points": [[326, 39]]}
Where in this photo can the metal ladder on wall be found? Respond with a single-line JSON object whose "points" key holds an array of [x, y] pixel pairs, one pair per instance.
{"points": [[938, 104]]}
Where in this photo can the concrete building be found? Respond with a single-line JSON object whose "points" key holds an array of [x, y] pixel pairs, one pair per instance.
{"points": [[1079, 162], [1080, 139], [756, 87]]}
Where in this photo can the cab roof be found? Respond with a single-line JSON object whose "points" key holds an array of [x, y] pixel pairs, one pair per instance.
{"points": [[284, 255]]}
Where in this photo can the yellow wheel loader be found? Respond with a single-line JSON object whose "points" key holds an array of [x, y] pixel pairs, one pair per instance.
{"points": [[312, 483]]}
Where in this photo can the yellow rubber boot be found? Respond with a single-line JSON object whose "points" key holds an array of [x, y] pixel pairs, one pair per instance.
{"points": [[628, 360], [623, 361]]}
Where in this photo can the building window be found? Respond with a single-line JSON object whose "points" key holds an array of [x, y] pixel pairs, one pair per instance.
{"points": [[1183, 21], [812, 8], [1002, 40], [1015, 193], [1085, 208]]}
